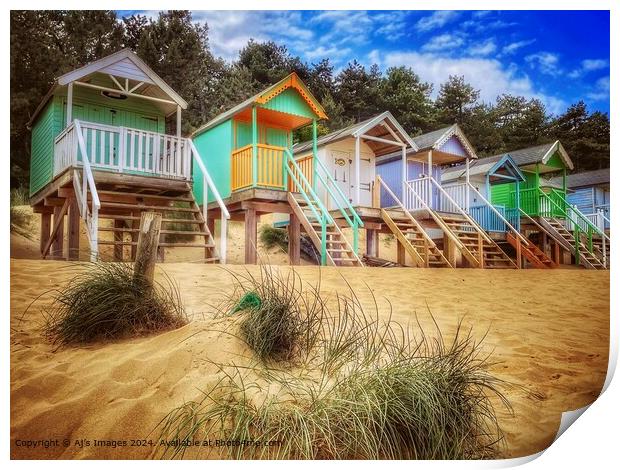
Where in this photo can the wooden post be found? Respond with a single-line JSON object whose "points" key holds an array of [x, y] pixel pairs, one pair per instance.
{"points": [[294, 240], [480, 250], [69, 111], [556, 253], [372, 245], [519, 256], [73, 253], [449, 250], [58, 243], [148, 243], [401, 254], [250, 236], [357, 171], [210, 252], [376, 193], [178, 121], [118, 238], [46, 225]]}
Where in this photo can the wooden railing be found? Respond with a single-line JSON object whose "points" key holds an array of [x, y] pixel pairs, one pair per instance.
{"points": [[241, 164], [123, 150], [305, 167], [270, 172]]}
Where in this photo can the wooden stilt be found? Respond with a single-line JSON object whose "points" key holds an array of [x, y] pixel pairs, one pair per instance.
{"points": [[556, 253], [372, 243], [118, 238], [148, 245], [449, 250], [401, 256], [73, 252], [210, 252], [294, 240], [59, 224], [250, 236], [46, 224]]}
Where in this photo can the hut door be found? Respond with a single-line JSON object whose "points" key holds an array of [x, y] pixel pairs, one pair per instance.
{"points": [[341, 167]]}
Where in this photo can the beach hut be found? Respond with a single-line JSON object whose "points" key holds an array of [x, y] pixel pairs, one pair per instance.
{"points": [[501, 223], [416, 186], [248, 150], [542, 202], [589, 191], [100, 151]]}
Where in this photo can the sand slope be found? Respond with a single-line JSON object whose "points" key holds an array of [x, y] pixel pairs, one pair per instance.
{"points": [[546, 334]]}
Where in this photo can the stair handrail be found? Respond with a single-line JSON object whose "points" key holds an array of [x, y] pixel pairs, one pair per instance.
{"points": [[575, 210], [343, 198], [499, 214], [322, 219], [460, 209], [91, 218], [354, 221], [406, 211], [426, 207], [209, 184]]}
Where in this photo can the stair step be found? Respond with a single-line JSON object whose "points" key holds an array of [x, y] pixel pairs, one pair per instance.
{"points": [[155, 208], [171, 244], [168, 232], [145, 195]]}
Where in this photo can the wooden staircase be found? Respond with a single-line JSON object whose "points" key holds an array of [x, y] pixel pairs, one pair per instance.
{"points": [[183, 224], [415, 240], [477, 247], [532, 253], [339, 251], [556, 229]]}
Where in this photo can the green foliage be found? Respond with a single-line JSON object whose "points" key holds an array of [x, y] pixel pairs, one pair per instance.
{"points": [[108, 301], [20, 196], [271, 237], [46, 44]]}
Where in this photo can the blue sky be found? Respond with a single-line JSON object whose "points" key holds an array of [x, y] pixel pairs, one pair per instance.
{"points": [[559, 57]]}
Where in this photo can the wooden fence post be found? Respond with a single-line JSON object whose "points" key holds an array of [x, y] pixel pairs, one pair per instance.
{"points": [[148, 242]]}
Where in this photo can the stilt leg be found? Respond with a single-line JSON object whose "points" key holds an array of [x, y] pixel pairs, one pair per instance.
{"points": [[294, 240], [58, 243], [250, 236], [73, 253], [46, 226]]}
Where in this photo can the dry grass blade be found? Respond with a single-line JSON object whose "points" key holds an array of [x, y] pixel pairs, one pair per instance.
{"points": [[108, 301]]}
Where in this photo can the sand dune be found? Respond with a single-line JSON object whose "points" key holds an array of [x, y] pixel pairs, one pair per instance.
{"points": [[546, 334]]}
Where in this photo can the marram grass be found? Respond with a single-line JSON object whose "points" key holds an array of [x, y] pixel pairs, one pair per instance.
{"points": [[365, 388], [107, 301]]}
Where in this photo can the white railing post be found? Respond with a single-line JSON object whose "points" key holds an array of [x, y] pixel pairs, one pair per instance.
{"points": [[122, 143]]}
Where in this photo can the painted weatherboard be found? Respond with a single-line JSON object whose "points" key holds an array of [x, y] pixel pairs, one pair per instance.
{"points": [[391, 174], [290, 102], [266, 135], [88, 105], [215, 146], [45, 129], [453, 146]]}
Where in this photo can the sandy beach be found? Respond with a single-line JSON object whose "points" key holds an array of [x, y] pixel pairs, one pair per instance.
{"points": [[547, 335]]}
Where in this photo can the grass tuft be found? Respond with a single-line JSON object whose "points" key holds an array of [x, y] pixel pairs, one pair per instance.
{"points": [[108, 302], [272, 237], [366, 387]]}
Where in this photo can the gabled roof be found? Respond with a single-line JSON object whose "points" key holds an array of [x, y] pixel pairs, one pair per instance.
{"points": [[539, 154], [435, 139], [123, 64], [483, 166], [584, 179], [290, 81], [378, 122]]}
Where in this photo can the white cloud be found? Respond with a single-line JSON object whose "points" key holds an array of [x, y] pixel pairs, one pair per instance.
{"points": [[482, 49], [515, 46], [487, 75], [443, 42], [588, 65], [601, 90], [546, 62], [436, 20]]}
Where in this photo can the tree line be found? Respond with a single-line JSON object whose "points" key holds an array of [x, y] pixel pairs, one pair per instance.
{"points": [[47, 44]]}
